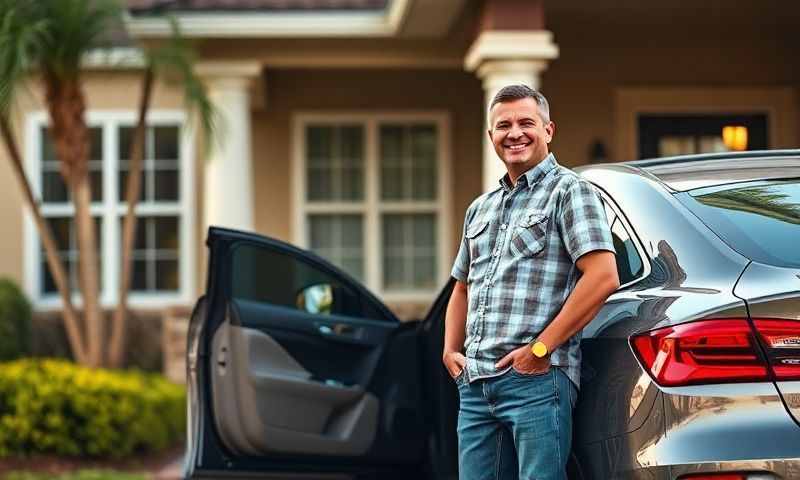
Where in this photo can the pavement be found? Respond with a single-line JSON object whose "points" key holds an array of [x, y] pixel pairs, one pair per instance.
{"points": [[172, 470]]}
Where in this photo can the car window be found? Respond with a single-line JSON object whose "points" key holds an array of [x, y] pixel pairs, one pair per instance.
{"points": [[760, 220], [629, 263], [280, 278]]}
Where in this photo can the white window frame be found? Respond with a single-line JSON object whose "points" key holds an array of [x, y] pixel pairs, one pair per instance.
{"points": [[372, 207], [110, 210]]}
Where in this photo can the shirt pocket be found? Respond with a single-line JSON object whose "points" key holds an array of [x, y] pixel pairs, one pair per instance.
{"points": [[529, 235], [477, 241]]}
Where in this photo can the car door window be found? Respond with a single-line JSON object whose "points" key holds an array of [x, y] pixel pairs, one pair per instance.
{"points": [[629, 263], [280, 279]]}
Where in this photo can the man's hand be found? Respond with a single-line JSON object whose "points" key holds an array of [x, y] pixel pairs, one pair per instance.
{"points": [[523, 361], [454, 362]]}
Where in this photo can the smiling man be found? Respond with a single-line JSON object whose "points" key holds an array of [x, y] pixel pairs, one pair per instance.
{"points": [[535, 265]]}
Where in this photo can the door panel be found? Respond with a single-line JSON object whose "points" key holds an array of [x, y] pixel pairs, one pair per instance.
{"points": [[305, 371]]}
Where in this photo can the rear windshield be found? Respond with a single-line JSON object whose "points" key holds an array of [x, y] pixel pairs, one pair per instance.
{"points": [[760, 220]]}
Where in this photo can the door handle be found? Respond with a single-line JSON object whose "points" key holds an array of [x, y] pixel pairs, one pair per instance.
{"points": [[337, 329]]}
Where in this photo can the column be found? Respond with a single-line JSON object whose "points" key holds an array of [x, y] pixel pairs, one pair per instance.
{"points": [[228, 185], [501, 58]]}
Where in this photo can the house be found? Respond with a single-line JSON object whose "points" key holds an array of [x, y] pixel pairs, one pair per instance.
{"points": [[357, 128]]}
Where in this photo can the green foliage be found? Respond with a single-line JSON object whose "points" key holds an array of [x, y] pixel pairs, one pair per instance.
{"points": [[79, 475], [51, 35], [15, 322], [54, 406]]}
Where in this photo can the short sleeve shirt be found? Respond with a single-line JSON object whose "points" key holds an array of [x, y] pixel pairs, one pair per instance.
{"points": [[517, 257]]}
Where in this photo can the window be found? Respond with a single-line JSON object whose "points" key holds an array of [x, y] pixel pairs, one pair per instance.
{"points": [[630, 264], [760, 220], [675, 134], [280, 279], [372, 198], [162, 248]]}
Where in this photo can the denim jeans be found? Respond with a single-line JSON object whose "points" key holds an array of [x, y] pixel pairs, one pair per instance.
{"points": [[515, 426]]}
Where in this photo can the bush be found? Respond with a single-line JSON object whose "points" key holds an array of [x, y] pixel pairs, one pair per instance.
{"points": [[15, 321], [54, 406]]}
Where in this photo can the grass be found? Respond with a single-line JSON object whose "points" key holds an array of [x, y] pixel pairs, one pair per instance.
{"points": [[78, 475]]}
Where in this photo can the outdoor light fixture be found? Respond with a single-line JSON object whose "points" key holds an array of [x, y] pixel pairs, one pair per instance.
{"points": [[735, 137]]}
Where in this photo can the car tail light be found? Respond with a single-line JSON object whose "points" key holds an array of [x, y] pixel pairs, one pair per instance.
{"points": [[720, 351], [781, 338], [708, 351]]}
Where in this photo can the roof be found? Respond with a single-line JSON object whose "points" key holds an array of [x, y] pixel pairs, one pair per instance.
{"points": [[144, 7], [697, 171]]}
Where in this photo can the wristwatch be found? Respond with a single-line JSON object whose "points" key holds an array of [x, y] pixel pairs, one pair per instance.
{"points": [[539, 349]]}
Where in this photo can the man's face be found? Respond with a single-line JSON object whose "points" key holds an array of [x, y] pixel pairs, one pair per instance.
{"points": [[519, 134]]}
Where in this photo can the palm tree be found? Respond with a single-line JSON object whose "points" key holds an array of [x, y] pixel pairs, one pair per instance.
{"points": [[49, 39]]}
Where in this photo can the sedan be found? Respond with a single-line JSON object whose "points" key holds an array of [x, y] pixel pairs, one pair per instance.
{"points": [[691, 370]]}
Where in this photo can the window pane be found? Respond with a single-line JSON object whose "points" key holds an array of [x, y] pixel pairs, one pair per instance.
{"points": [[156, 254], [408, 162], [64, 233], [53, 187], [160, 180], [335, 162], [166, 144], [409, 251], [166, 185], [339, 239]]}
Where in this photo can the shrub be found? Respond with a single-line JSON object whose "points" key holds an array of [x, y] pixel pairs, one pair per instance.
{"points": [[15, 321], [54, 406]]}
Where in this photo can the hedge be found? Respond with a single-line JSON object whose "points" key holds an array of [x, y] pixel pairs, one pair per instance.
{"points": [[15, 321], [57, 407]]}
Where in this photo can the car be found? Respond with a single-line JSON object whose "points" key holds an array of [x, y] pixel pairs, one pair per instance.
{"points": [[690, 370]]}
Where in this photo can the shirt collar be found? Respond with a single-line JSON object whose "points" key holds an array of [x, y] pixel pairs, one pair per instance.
{"points": [[532, 175]]}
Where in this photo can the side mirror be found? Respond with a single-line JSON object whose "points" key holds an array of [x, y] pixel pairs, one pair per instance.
{"points": [[317, 299]]}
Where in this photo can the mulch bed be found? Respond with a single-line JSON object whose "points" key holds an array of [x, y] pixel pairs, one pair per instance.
{"points": [[52, 464]]}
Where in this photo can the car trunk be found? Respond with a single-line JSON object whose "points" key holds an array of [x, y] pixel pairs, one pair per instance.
{"points": [[772, 295]]}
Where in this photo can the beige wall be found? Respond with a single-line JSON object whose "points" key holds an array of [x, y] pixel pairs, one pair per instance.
{"points": [[104, 90], [607, 51]]}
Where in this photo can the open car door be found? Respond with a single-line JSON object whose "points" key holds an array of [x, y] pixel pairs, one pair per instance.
{"points": [[295, 368]]}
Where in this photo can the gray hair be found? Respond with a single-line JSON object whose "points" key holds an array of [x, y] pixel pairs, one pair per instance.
{"points": [[510, 93]]}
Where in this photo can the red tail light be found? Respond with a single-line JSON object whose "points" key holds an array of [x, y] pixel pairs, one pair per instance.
{"points": [[782, 341], [708, 351], [720, 351]]}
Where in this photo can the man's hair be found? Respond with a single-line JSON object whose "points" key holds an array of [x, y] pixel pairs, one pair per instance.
{"points": [[510, 93]]}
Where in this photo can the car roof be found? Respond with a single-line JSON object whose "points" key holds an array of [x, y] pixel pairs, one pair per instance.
{"points": [[688, 172]]}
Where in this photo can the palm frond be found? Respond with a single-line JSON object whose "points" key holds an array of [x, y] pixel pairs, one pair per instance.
{"points": [[174, 62], [21, 39]]}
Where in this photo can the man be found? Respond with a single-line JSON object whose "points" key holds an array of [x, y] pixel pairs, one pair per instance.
{"points": [[535, 265]]}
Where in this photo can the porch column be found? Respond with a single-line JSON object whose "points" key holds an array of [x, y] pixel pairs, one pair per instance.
{"points": [[228, 185], [503, 54]]}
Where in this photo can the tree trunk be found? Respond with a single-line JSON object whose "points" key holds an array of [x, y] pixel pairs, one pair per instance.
{"points": [[66, 105], [116, 352], [54, 263]]}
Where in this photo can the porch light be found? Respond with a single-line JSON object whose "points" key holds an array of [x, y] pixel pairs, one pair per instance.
{"points": [[735, 137]]}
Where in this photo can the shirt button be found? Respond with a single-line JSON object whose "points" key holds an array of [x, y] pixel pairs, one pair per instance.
{"points": [[503, 226]]}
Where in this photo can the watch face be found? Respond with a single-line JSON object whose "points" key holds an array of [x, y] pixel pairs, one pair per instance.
{"points": [[539, 349]]}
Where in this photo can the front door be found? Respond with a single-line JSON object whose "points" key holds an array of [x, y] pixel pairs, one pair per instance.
{"points": [[294, 367]]}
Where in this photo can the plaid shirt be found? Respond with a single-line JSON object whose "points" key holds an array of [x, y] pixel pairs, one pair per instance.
{"points": [[518, 257]]}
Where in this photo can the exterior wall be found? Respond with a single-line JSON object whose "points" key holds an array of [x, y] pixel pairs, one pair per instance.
{"points": [[104, 90], [604, 55]]}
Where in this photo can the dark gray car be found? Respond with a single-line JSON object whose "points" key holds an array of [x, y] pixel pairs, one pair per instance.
{"points": [[691, 369]]}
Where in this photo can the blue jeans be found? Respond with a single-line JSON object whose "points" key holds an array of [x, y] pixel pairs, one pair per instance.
{"points": [[515, 426]]}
